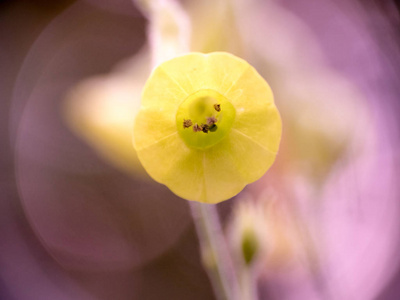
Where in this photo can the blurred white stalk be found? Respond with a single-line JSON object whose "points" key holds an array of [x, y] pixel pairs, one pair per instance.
{"points": [[169, 28], [215, 253], [248, 288], [169, 36]]}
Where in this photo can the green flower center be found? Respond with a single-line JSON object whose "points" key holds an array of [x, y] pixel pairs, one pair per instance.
{"points": [[204, 118]]}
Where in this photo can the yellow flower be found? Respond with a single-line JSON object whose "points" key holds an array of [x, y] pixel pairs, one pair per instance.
{"points": [[207, 126]]}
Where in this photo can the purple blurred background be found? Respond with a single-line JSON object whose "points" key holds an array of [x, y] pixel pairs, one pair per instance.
{"points": [[73, 227]]}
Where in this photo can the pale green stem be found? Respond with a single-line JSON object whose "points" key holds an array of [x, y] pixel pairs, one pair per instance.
{"points": [[215, 253]]}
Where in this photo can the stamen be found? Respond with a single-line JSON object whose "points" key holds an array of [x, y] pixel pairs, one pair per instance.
{"points": [[187, 123], [205, 128], [211, 121], [217, 107], [197, 128]]}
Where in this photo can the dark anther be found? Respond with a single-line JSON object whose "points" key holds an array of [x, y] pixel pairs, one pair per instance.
{"points": [[211, 121], [205, 128], [187, 123], [197, 128], [217, 107]]}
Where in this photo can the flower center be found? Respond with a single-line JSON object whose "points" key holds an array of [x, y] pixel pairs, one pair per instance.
{"points": [[204, 118]]}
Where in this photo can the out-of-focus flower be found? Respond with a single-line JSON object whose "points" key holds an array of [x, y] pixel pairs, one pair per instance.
{"points": [[101, 111], [268, 240], [247, 232], [266, 230], [169, 28], [220, 30], [200, 163]]}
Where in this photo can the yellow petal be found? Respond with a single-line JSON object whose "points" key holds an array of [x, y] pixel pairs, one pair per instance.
{"points": [[231, 165], [187, 71], [256, 113], [196, 71], [206, 176], [153, 126], [162, 92], [224, 70], [171, 162]]}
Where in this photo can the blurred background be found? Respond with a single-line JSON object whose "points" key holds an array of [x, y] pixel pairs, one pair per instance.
{"points": [[80, 219]]}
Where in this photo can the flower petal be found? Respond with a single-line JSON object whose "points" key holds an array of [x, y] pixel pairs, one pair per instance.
{"points": [[151, 126], [256, 114], [171, 162], [210, 176], [162, 92], [232, 164], [196, 71]]}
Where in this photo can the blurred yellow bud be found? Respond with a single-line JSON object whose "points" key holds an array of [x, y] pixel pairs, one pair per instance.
{"points": [[101, 111]]}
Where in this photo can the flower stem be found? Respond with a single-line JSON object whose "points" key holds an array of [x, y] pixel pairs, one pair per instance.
{"points": [[214, 251], [248, 285]]}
